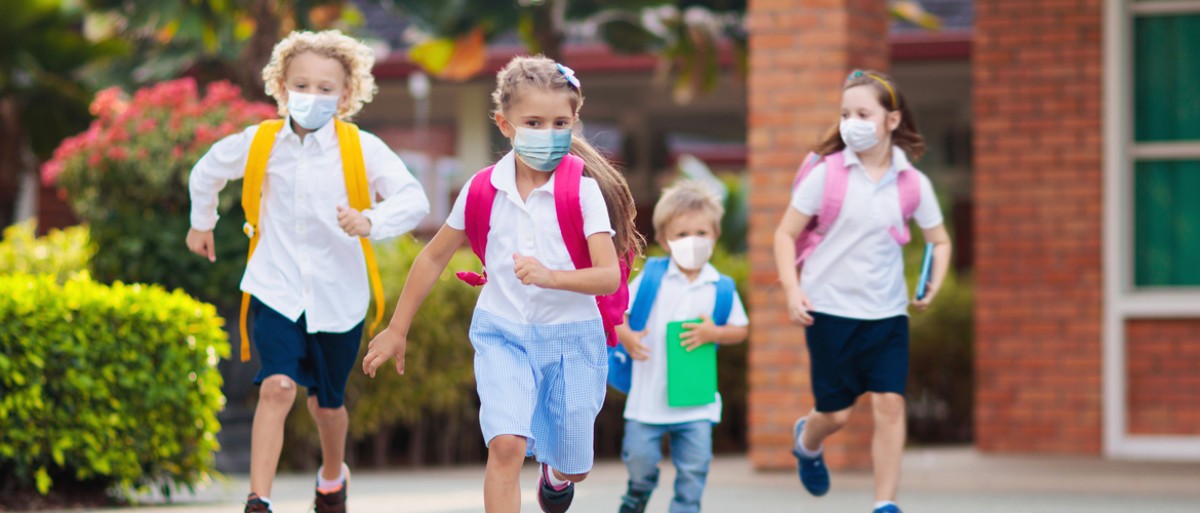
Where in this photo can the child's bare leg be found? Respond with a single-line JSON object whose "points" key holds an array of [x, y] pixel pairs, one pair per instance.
{"points": [[275, 398], [887, 446], [574, 478], [501, 483], [819, 425], [332, 424]]}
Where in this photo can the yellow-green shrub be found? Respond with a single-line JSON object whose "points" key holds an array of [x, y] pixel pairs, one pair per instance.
{"points": [[62, 253], [106, 385]]}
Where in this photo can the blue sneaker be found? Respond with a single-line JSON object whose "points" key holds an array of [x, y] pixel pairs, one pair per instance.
{"points": [[813, 473], [890, 508]]}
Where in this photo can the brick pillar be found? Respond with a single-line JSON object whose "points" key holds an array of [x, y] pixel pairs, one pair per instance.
{"points": [[1038, 222], [800, 53]]}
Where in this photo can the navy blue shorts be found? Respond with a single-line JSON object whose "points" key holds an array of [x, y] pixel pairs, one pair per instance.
{"points": [[320, 361], [850, 357]]}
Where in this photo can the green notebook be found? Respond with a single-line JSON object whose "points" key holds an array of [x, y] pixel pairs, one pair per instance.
{"points": [[691, 376]]}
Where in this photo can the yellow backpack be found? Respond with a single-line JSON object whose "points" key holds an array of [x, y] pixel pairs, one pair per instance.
{"points": [[355, 173]]}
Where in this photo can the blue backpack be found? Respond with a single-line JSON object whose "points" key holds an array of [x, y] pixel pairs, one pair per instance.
{"points": [[620, 364]]}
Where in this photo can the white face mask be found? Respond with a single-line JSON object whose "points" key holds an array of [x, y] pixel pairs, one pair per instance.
{"points": [[859, 134], [691, 253], [311, 111]]}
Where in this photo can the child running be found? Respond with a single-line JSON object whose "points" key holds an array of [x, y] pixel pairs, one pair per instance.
{"points": [[548, 221], [851, 296], [687, 219], [309, 184]]}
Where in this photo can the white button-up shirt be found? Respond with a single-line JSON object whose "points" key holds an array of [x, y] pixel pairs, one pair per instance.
{"points": [[531, 228], [305, 263], [857, 271], [677, 300]]}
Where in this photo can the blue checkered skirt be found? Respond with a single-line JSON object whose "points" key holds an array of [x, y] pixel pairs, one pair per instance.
{"points": [[542, 382]]}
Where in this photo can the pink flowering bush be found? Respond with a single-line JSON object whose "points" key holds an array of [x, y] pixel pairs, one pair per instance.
{"points": [[139, 150], [127, 178]]}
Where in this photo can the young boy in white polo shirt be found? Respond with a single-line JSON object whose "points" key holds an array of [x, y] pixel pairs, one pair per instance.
{"points": [[307, 275], [687, 219]]}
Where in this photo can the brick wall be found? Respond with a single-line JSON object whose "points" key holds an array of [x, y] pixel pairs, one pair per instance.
{"points": [[800, 53], [1163, 363], [1038, 176]]}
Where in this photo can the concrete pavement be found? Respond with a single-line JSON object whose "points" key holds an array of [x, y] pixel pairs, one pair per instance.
{"points": [[958, 480]]}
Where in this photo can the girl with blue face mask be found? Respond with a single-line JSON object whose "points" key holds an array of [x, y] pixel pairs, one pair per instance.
{"points": [[538, 328]]}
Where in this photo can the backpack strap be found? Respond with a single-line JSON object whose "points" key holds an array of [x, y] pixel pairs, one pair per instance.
{"points": [[252, 185], [477, 214], [908, 183], [569, 207], [723, 305], [837, 180], [652, 275], [358, 190]]}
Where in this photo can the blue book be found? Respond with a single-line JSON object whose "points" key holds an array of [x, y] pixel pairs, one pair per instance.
{"points": [[926, 268]]}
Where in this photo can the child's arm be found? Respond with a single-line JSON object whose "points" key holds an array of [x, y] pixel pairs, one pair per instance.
{"points": [[225, 161], [785, 261], [942, 250], [425, 271], [632, 340], [403, 204], [603, 277], [705, 331]]}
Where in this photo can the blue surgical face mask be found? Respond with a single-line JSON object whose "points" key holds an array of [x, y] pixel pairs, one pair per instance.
{"points": [[311, 111], [542, 150]]}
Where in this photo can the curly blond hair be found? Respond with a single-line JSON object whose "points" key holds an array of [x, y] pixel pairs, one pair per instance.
{"points": [[356, 58]]}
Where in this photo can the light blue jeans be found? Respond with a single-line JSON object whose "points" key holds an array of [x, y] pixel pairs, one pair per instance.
{"points": [[691, 452]]}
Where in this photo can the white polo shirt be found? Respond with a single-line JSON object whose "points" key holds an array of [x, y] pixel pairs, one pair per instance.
{"points": [[530, 228], [677, 300], [305, 263], [857, 271]]}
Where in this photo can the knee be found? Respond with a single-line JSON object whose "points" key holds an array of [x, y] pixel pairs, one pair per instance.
{"points": [[326, 417], [889, 408], [574, 478], [836, 420], [277, 392], [507, 449]]}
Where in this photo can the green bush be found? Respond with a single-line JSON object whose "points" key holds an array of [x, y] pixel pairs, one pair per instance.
{"points": [[941, 358], [438, 381], [127, 178], [106, 386], [62, 253]]}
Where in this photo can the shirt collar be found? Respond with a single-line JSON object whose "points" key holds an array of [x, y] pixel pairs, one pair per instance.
{"points": [[708, 274], [899, 161], [326, 136], [504, 177]]}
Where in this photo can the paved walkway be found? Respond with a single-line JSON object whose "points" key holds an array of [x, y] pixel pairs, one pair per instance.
{"points": [[934, 481]]}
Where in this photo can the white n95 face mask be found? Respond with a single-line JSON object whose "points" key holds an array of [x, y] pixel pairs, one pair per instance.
{"points": [[691, 253], [311, 111], [858, 134]]}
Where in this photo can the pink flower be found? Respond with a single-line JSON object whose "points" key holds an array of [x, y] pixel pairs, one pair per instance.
{"points": [[50, 171], [177, 152], [117, 153], [108, 102], [93, 160]]}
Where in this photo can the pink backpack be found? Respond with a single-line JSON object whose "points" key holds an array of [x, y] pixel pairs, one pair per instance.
{"points": [[837, 177], [567, 176]]}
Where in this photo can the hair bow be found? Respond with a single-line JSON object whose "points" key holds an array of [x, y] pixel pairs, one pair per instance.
{"points": [[570, 75]]}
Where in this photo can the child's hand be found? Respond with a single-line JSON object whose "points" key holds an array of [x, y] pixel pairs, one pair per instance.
{"points": [[201, 243], [634, 346], [798, 308], [923, 304], [385, 346], [353, 222], [698, 333], [531, 272]]}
